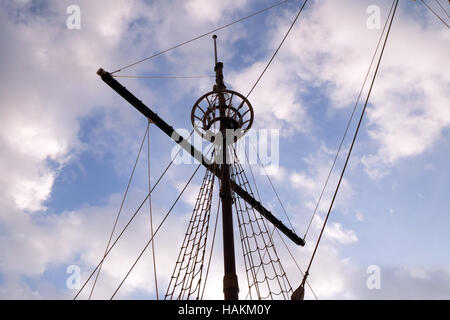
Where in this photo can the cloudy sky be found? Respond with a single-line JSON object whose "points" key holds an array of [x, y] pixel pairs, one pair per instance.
{"points": [[68, 142]]}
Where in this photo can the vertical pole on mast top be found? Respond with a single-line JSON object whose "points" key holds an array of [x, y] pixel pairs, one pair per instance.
{"points": [[215, 49], [230, 280]]}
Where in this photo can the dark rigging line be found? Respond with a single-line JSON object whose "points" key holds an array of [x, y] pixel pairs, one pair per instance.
{"points": [[271, 184], [114, 243], [120, 210], [212, 247], [443, 9], [255, 231], [348, 124], [434, 12], [274, 228], [151, 212], [201, 36], [265, 69], [351, 146], [129, 222], [163, 77], [296, 263], [263, 72], [156, 231], [261, 75], [276, 51]]}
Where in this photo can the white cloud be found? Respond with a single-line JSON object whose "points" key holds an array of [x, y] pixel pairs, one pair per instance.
{"points": [[275, 100], [48, 87], [51, 83], [310, 182], [212, 11], [336, 232], [408, 108], [39, 126]]}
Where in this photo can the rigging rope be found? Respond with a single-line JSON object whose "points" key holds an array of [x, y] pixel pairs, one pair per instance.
{"points": [[443, 9], [212, 246], [188, 267], [274, 228], [351, 148], [257, 243], [120, 210], [156, 231], [151, 212], [129, 222], [276, 51], [271, 184], [348, 124], [259, 78], [263, 72], [200, 36], [296, 263], [163, 77], [435, 13]]}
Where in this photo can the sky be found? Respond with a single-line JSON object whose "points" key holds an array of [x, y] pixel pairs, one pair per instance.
{"points": [[68, 142]]}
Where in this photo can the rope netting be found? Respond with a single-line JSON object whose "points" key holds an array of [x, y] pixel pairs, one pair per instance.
{"points": [[265, 274], [186, 280]]}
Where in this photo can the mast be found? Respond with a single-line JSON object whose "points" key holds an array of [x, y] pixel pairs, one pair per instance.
{"points": [[230, 280], [220, 116]]}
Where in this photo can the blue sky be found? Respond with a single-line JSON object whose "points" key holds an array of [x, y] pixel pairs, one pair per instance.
{"points": [[69, 142]]}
